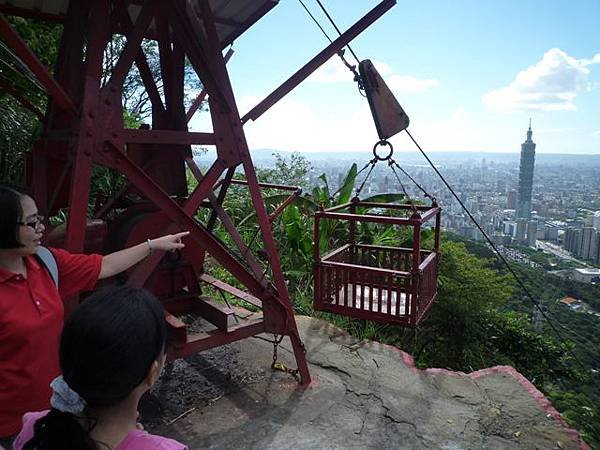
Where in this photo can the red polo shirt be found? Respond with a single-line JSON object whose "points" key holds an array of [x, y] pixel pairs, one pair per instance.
{"points": [[31, 320]]}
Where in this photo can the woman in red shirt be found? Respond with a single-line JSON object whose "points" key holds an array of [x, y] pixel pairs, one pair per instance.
{"points": [[31, 309]]}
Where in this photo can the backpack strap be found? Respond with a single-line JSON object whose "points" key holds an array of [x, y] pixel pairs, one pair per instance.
{"points": [[45, 256]]}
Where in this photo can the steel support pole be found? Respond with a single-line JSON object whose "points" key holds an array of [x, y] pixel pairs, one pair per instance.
{"points": [[282, 298], [319, 60]]}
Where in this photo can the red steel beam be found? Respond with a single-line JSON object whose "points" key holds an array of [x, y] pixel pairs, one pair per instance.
{"points": [[221, 285], [132, 47], [166, 137], [144, 269], [368, 218], [163, 37], [89, 132], [141, 61], [218, 66], [385, 247], [16, 44], [228, 224], [203, 341], [279, 314], [202, 95], [282, 187], [22, 99], [11, 10], [195, 105], [189, 25], [386, 206], [180, 216], [319, 60], [332, 253], [284, 205], [264, 9], [427, 261], [358, 267], [429, 214]]}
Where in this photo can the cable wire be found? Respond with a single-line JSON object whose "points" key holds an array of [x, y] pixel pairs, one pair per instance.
{"points": [[501, 257], [408, 197], [337, 29], [315, 21], [340, 53], [372, 163], [425, 193], [332, 196]]}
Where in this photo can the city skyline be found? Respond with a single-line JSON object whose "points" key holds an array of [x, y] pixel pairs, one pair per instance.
{"points": [[500, 64]]}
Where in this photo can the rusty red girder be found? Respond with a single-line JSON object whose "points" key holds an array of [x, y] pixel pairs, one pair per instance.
{"points": [[19, 47], [84, 127]]}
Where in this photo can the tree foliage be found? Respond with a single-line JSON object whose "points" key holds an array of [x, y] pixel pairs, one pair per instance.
{"points": [[136, 101], [19, 124]]}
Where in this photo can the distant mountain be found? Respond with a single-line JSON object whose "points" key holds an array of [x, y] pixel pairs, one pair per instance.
{"points": [[264, 157]]}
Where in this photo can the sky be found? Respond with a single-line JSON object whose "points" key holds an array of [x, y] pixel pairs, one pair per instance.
{"points": [[469, 74]]}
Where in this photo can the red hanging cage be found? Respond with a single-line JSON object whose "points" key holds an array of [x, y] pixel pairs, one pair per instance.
{"points": [[372, 282]]}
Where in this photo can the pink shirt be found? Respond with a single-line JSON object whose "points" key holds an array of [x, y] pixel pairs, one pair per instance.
{"points": [[135, 440]]}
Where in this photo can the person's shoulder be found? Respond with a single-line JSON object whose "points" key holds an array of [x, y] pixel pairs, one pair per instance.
{"points": [[142, 440], [65, 259], [33, 416], [60, 254], [29, 420]]}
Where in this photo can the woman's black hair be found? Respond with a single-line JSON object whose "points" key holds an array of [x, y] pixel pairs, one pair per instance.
{"points": [[10, 214], [107, 348]]}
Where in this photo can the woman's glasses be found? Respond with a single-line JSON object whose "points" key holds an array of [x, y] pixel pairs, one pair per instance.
{"points": [[33, 223]]}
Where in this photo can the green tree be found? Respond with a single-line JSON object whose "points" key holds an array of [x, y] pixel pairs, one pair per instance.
{"points": [[22, 99]]}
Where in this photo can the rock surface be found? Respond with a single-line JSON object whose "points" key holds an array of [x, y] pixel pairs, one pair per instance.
{"points": [[364, 395]]}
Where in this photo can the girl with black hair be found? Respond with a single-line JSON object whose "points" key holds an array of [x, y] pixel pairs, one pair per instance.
{"points": [[31, 307], [112, 350]]}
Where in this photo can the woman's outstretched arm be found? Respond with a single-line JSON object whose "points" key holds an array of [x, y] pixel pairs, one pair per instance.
{"points": [[122, 260]]}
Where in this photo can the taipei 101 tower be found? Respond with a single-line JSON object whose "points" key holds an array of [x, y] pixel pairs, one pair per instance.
{"points": [[526, 176]]}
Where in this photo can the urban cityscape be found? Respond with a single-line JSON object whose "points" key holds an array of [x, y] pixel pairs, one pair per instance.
{"points": [[547, 202]]}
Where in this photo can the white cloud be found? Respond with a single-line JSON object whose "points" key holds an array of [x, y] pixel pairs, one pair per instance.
{"points": [[334, 71], [454, 132], [295, 125], [408, 83], [552, 84], [594, 60]]}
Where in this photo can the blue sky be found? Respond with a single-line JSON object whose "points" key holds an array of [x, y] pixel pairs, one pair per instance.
{"points": [[469, 74]]}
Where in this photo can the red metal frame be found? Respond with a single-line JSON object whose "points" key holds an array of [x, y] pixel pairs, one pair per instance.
{"points": [[20, 48], [84, 127], [383, 284]]}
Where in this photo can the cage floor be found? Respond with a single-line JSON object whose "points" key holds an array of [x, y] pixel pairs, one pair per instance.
{"points": [[397, 302]]}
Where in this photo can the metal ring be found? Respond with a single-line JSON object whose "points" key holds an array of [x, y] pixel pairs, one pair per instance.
{"points": [[388, 156]]}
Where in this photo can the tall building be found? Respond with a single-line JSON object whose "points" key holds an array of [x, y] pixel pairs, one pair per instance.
{"points": [[520, 235], [573, 240], [532, 232], [526, 176], [588, 243], [511, 199], [596, 220]]}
